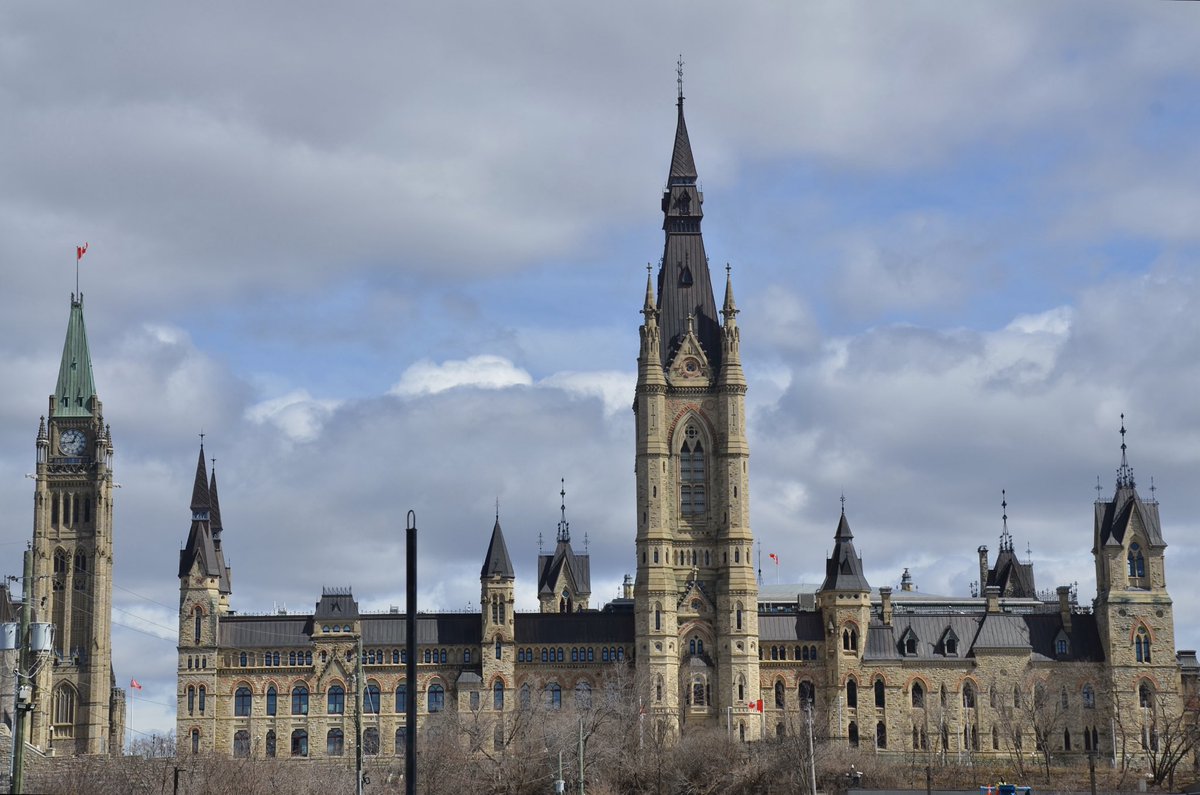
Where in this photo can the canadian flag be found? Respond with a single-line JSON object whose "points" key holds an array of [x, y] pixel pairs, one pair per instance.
{"points": [[80, 251], [134, 684]]}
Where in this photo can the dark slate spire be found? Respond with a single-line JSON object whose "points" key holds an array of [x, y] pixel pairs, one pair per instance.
{"points": [[214, 515], [1114, 519], [201, 503], [843, 570], [75, 385], [497, 563], [684, 284]]}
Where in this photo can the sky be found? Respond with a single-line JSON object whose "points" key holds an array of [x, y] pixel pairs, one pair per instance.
{"points": [[391, 257]]}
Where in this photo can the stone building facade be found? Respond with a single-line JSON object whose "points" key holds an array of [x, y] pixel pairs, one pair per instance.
{"points": [[1004, 670]]}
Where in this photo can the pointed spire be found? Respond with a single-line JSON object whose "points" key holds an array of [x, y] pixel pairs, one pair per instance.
{"points": [[200, 496], [1124, 472], [75, 385], [649, 309], [214, 505], [496, 562], [843, 569], [683, 167], [42, 435], [564, 528], [729, 310]]}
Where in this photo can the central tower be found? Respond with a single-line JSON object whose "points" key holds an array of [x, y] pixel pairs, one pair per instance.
{"points": [[696, 597]]}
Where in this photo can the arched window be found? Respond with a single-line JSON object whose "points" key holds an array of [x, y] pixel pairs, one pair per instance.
{"points": [[196, 626], [657, 616], [1066, 739], [1137, 564], [401, 740], [242, 701], [271, 744], [658, 689], [241, 744], [498, 695], [272, 698], [401, 697], [1066, 701], [583, 696], [437, 698], [910, 646], [807, 692], [853, 734], [64, 709], [779, 694], [299, 743], [371, 699], [300, 705], [968, 695], [918, 695], [1141, 645], [1016, 696], [428, 656], [698, 693], [203, 694], [880, 735], [553, 696], [336, 700], [526, 696], [195, 741], [851, 694], [371, 741], [1089, 697], [335, 743], [850, 639], [242, 660], [604, 654], [880, 697], [1145, 695], [691, 473], [191, 700], [738, 616], [292, 658]]}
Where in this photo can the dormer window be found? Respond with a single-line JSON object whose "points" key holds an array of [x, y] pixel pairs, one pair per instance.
{"points": [[910, 645], [951, 646]]}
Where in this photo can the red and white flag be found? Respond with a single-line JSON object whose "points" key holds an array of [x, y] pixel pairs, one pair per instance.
{"points": [[774, 557], [80, 251], [134, 685]]}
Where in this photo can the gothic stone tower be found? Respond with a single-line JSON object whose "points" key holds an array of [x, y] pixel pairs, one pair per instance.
{"points": [[696, 598], [1133, 608], [79, 709]]}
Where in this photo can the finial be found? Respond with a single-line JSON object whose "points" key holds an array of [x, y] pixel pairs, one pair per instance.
{"points": [[539, 542], [679, 76], [585, 542], [1099, 488], [843, 503], [1005, 539], [201, 437], [728, 270], [214, 462], [1153, 490], [1028, 553], [1125, 472], [497, 509], [564, 529]]}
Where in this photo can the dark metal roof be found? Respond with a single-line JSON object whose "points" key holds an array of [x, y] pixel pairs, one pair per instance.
{"points": [[200, 499], [578, 567], [587, 627], [1124, 512], [496, 562], [1083, 637], [75, 386], [843, 570], [336, 604], [200, 548], [684, 284], [1014, 578], [214, 510], [804, 625], [265, 632], [432, 629]]}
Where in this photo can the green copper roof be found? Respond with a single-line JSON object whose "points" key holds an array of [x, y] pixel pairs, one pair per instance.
{"points": [[75, 384]]}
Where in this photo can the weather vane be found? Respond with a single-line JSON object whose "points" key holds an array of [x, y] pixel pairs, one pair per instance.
{"points": [[679, 74]]}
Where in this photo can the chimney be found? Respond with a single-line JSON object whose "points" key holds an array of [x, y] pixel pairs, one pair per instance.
{"points": [[992, 594], [885, 600], [627, 587], [1064, 605], [983, 568]]}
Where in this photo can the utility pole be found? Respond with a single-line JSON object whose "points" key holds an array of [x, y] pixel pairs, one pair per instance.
{"points": [[410, 670], [24, 692], [580, 755], [812, 757], [358, 708]]}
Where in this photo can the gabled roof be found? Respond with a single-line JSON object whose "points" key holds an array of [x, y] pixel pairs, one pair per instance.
{"points": [[496, 562], [336, 604], [200, 548], [1126, 511], [75, 384], [1014, 578], [843, 569], [576, 567]]}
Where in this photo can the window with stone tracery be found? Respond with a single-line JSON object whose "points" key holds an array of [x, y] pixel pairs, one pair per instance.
{"points": [[692, 498]]}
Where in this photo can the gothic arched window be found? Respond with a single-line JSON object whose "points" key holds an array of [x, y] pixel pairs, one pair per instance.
{"points": [[553, 696], [498, 695], [272, 697], [336, 702], [300, 703], [437, 698], [335, 742], [918, 695], [691, 473], [242, 701], [1141, 645], [1137, 563], [852, 694], [880, 698], [241, 744], [779, 694], [371, 699], [64, 706]]}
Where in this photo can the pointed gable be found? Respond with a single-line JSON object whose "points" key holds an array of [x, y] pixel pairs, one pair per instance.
{"points": [[75, 386], [843, 569], [496, 562]]}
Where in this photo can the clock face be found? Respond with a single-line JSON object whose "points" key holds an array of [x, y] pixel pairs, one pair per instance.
{"points": [[72, 442]]}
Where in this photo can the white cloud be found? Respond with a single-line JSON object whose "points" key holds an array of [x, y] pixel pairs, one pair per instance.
{"points": [[484, 371], [615, 389], [297, 414]]}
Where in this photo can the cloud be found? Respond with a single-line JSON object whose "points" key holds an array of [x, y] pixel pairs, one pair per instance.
{"points": [[484, 371], [297, 414]]}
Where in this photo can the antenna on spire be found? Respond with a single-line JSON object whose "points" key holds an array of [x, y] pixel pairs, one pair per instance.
{"points": [[1125, 473], [564, 529], [1005, 539], [679, 76]]}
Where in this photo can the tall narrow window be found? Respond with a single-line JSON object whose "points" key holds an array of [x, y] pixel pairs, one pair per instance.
{"points": [[242, 701], [371, 699], [1137, 563], [336, 702], [498, 695], [191, 699], [968, 694], [196, 630], [335, 742], [879, 694], [918, 695], [437, 698], [1141, 645], [779, 695], [203, 693], [553, 696], [195, 741], [300, 701], [300, 743], [271, 744], [272, 698], [241, 744], [691, 473], [852, 694]]}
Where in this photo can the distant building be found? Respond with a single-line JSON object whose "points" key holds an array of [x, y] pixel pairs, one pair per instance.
{"points": [[1002, 671]]}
